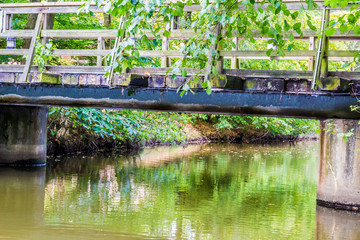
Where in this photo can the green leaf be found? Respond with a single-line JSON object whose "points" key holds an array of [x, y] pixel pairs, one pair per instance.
{"points": [[343, 28], [166, 33], [343, 3], [183, 72], [178, 11], [268, 52], [353, 7], [297, 26], [346, 65], [356, 30], [311, 26], [351, 18], [286, 26], [182, 93], [208, 91], [213, 70], [218, 2], [278, 28], [330, 31], [294, 15], [204, 84]]}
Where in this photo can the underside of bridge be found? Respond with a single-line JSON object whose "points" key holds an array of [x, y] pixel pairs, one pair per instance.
{"points": [[223, 101]]}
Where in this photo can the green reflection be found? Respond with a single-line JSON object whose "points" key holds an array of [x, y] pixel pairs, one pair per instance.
{"points": [[198, 192]]}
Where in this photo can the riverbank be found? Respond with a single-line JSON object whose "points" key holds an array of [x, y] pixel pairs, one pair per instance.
{"points": [[73, 130]]}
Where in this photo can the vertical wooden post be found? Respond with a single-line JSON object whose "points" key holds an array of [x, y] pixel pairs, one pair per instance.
{"points": [[116, 46], [214, 47], [100, 46], [30, 56], [43, 38], [311, 62], [220, 61], [235, 60], [321, 64], [175, 23], [2, 20], [165, 61], [324, 66], [8, 21]]}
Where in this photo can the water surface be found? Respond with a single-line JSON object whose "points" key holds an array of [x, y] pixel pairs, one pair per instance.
{"points": [[211, 191]]}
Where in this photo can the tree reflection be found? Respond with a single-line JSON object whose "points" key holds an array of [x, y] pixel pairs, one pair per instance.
{"points": [[212, 190]]}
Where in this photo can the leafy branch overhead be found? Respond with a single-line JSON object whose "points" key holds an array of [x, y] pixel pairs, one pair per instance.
{"points": [[271, 19]]}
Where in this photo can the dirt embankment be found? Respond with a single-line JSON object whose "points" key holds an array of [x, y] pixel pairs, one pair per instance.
{"points": [[70, 142]]}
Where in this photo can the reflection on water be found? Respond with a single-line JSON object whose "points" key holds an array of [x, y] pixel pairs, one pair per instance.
{"points": [[335, 225], [198, 192]]}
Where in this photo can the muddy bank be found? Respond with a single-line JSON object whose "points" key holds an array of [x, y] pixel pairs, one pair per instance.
{"points": [[72, 141]]}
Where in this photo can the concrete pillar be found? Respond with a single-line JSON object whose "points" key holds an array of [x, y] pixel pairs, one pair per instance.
{"points": [[339, 169], [22, 135]]}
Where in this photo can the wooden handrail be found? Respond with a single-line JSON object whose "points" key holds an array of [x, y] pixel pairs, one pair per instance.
{"points": [[72, 7], [100, 35]]}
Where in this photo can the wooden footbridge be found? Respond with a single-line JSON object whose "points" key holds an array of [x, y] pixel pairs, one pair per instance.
{"points": [[315, 93]]}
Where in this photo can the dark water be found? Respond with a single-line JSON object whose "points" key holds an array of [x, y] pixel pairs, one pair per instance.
{"points": [[198, 192]]}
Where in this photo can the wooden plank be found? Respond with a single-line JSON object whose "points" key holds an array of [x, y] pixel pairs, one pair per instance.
{"points": [[80, 52], [14, 51], [17, 33], [297, 53], [176, 34], [30, 56], [66, 7]]}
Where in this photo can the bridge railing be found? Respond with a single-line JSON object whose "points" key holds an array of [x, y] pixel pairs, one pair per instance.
{"points": [[7, 11]]}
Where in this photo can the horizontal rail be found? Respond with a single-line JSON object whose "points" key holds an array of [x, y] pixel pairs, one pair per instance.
{"points": [[72, 7], [285, 74], [289, 55], [175, 34]]}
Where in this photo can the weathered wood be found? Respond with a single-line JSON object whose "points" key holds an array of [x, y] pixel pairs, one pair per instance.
{"points": [[324, 66], [30, 56], [2, 20], [14, 51], [116, 46], [234, 59], [212, 49], [72, 7], [165, 61], [321, 64], [311, 62], [175, 34], [100, 47], [297, 53]]}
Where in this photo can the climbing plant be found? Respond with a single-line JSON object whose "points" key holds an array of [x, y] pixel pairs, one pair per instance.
{"points": [[215, 24]]}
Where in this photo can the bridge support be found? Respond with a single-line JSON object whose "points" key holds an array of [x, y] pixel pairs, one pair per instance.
{"points": [[339, 169], [22, 135]]}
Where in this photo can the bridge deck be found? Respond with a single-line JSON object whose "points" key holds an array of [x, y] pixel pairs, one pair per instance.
{"points": [[234, 91]]}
